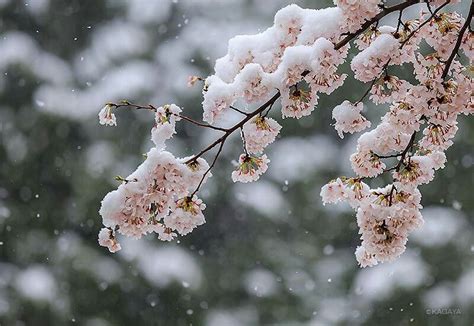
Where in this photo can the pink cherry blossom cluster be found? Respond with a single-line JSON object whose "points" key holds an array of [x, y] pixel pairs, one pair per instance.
{"points": [[415, 132], [296, 60], [159, 196]]}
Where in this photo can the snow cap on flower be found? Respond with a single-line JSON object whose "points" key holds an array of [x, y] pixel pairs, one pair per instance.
{"points": [[259, 132], [107, 239], [348, 118], [186, 216], [165, 124]]}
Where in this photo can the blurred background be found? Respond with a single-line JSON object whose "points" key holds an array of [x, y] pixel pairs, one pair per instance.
{"points": [[270, 252]]}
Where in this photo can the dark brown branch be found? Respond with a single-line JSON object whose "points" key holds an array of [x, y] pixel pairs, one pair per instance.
{"points": [[376, 18], [458, 42], [238, 110], [219, 151], [387, 156], [200, 124], [152, 108], [384, 69], [399, 165], [433, 15], [124, 104], [399, 21], [236, 126]]}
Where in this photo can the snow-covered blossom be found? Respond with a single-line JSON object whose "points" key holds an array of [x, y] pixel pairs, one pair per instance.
{"points": [[333, 192], [403, 117], [416, 171], [368, 64], [467, 46], [366, 164], [364, 258], [348, 118], [438, 159], [356, 12], [165, 124], [259, 133], [382, 234], [218, 96], [385, 222], [107, 239], [106, 117], [383, 139], [250, 168], [196, 171], [152, 197], [352, 190], [186, 216]]}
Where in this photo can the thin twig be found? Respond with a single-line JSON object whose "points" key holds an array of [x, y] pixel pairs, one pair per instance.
{"points": [[152, 108], [384, 69], [235, 127], [244, 141], [376, 18], [238, 110], [399, 21], [134, 106], [200, 124], [219, 151], [399, 165], [433, 15]]}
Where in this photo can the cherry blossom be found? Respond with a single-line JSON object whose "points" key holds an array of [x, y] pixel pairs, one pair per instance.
{"points": [[356, 12], [348, 118], [259, 133], [106, 117], [250, 168], [297, 103], [186, 215], [368, 64], [107, 239], [165, 123]]}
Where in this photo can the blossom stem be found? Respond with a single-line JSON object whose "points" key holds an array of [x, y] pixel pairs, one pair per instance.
{"points": [[405, 151], [244, 142], [200, 124], [153, 108], [219, 151]]}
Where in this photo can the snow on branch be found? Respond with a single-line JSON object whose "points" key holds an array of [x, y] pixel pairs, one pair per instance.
{"points": [[294, 61]]}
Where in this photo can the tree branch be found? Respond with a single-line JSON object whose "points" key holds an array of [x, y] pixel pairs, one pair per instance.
{"points": [[376, 18], [458, 42]]}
